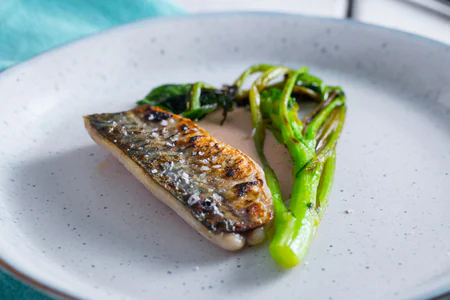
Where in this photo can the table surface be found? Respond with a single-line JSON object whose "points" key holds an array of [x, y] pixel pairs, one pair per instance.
{"points": [[414, 16], [427, 18]]}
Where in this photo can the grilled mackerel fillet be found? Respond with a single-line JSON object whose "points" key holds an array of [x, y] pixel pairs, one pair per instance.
{"points": [[215, 188]]}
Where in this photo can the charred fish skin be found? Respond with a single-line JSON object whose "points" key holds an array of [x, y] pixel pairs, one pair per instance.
{"points": [[219, 185]]}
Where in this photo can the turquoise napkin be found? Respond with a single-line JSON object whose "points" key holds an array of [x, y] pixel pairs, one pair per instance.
{"points": [[29, 27]]}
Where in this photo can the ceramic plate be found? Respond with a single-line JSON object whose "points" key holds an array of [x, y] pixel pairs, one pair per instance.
{"points": [[75, 223]]}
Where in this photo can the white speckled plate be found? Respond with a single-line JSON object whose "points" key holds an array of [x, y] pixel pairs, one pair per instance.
{"points": [[75, 223]]}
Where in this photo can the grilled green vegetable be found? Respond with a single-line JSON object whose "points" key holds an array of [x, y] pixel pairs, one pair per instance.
{"points": [[311, 142], [193, 101]]}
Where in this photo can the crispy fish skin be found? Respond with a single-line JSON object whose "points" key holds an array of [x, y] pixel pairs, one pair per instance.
{"points": [[216, 188]]}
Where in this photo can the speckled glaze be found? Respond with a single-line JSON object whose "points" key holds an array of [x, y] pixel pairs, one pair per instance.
{"points": [[75, 221]]}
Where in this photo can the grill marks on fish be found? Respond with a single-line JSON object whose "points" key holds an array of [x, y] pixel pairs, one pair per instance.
{"points": [[157, 116], [220, 186], [243, 188]]}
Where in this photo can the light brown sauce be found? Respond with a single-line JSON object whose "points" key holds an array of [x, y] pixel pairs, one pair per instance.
{"points": [[108, 168], [237, 131]]}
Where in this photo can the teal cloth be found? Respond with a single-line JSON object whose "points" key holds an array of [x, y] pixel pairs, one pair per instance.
{"points": [[29, 27]]}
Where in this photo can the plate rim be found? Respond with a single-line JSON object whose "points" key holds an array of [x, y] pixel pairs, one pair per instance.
{"points": [[54, 291], [172, 18]]}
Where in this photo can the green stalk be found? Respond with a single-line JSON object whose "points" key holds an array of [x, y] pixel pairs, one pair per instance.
{"points": [[194, 95], [321, 117], [259, 134], [194, 100], [325, 184], [259, 138], [252, 70], [293, 233], [298, 89], [332, 140]]}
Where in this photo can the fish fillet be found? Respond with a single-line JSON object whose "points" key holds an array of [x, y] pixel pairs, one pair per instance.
{"points": [[215, 188]]}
